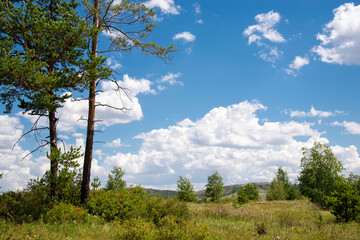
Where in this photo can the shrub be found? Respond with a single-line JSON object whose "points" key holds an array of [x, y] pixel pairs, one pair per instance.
{"points": [[137, 229], [344, 201], [117, 205], [63, 212], [185, 190], [158, 208], [23, 206], [242, 196]]}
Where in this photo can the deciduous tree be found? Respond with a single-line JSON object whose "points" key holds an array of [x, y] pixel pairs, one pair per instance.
{"points": [[214, 187], [185, 190], [319, 171]]}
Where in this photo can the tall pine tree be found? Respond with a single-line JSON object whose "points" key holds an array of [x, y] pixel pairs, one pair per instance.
{"points": [[43, 48]]}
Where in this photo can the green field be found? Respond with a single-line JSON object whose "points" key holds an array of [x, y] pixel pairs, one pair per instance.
{"points": [[298, 219]]}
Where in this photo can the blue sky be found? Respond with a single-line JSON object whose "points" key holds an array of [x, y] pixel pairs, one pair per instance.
{"points": [[251, 84]]}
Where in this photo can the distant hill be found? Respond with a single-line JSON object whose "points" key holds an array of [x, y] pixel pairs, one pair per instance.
{"points": [[162, 193], [229, 191]]}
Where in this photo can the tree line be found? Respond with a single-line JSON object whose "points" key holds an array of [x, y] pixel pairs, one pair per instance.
{"points": [[320, 179]]}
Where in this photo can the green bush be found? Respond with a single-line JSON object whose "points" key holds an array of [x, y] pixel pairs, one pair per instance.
{"points": [[344, 201], [117, 205], [137, 229], [250, 192], [23, 206], [242, 196], [158, 208], [63, 213]]}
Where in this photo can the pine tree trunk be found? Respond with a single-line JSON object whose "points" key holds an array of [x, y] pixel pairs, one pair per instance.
{"points": [[54, 161], [85, 187]]}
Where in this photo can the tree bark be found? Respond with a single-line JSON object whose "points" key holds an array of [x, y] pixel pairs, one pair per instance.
{"points": [[85, 187], [54, 161]]}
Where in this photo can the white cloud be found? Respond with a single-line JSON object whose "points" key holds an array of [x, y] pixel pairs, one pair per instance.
{"points": [[229, 139], [185, 36], [116, 143], [270, 54], [188, 51], [17, 171], [265, 28], [112, 63], [340, 40], [171, 79], [351, 127], [166, 6], [197, 8], [200, 21], [314, 113], [72, 113], [297, 64]]}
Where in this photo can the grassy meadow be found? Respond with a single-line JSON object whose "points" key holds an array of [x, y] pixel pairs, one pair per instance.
{"points": [[298, 219]]}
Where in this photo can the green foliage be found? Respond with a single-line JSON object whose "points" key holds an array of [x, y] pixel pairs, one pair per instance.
{"points": [[22, 206], [242, 197], [95, 184], [249, 192], [43, 46], [185, 190], [134, 202], [63, 212], [281, 187], [276, 191], [68, 180], [137, 229], [117, 205], [344, 201], [115, 181], [214, 187], [319, 171]]}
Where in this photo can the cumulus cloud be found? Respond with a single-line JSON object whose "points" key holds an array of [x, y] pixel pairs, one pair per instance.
{"points": [[265, 28], [166, 6], [185, 36], [72, 113], [16, 170], [229, 139], [340, 40], [114, 144], [314, 113], [350, 127], [232, 140], [297, 64], [171, 78]]}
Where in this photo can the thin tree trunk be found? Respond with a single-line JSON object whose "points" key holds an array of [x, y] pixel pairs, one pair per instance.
{"points": [[85, 187], [54, 161]]}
